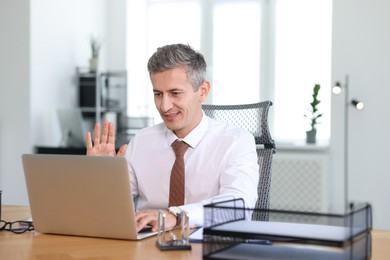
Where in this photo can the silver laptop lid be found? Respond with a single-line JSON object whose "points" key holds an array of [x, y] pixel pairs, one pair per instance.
{"points": [[80, 195]]}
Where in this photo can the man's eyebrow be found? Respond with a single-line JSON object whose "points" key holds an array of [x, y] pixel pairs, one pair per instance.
{"points": [[175, 90], [169, 90]]}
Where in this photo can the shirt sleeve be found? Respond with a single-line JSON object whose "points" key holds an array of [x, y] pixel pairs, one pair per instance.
{"points": [[133, 177], [241, 174]]}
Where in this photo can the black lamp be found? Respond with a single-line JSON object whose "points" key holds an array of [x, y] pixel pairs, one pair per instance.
{"points": [[359, 105], [337, 89]]}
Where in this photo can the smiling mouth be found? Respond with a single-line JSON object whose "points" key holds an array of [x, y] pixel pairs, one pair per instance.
{"points": [[171, 116]]}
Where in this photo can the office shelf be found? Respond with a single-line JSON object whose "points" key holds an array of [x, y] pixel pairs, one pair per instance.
{"points": [[102, 92]]}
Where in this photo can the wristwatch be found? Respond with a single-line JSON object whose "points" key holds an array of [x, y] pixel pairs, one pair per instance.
{"points": [[176, 211]]}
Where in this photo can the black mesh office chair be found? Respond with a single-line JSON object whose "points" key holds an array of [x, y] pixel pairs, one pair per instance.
{"points": [[254, 118]]}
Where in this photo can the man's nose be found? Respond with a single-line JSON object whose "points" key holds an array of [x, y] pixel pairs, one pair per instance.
{"points": [[166, 104]]}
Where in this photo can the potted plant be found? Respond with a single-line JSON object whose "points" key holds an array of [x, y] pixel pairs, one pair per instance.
{"points": [[95, 46], [313, 115]]}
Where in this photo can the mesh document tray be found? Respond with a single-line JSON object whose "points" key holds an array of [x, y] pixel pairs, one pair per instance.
{"points": [[229, 233]]}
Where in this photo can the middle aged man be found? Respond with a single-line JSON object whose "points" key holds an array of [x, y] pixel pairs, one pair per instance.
{"points": [[220, 160]]}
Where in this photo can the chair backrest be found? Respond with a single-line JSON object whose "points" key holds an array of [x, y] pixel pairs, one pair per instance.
{"points": [[254, 118]]}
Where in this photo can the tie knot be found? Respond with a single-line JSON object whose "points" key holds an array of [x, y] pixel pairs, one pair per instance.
{"points": [[179, 147]]}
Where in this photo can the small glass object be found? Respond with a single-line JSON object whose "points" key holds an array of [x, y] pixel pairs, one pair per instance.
{"points": [[167, 240]]}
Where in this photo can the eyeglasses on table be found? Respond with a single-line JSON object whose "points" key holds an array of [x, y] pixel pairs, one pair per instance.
{"points": [[17, 227]]}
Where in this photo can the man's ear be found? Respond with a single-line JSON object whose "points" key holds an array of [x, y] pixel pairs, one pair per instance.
{"points": [[204, 90]]}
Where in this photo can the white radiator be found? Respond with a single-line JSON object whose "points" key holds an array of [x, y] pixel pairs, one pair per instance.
{"points": [[299, 182]]}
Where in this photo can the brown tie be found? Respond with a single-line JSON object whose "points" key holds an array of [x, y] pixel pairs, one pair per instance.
{"points": [[176, 188]]}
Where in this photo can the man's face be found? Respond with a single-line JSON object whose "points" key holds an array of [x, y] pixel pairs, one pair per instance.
{"points": [[179, 105]]}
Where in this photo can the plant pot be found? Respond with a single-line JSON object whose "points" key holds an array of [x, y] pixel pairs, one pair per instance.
{"points": [[93, 64], [311, 136]]}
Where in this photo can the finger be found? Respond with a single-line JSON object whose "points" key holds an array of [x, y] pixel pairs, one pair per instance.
{"points": [[146, 217], [96, 134], [154, 225], [88, 141], [104, 133], [122, 150], [111, 133], [142, 222]]}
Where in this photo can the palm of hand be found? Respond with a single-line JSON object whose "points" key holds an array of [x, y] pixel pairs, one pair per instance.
{"points": [[103, 143], [102, 149]]}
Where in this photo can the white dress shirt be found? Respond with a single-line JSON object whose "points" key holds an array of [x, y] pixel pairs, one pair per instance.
{"points": [[220, 162]]}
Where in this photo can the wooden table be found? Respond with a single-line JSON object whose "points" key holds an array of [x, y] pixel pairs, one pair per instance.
{"points": [[33, 245]]}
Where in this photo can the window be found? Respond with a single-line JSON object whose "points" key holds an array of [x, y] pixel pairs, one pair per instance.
{"points": [[236, 52], [255, 50], [302, 58]]}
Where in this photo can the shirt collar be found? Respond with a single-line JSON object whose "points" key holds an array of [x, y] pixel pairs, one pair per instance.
{"points": [[194, 137]]}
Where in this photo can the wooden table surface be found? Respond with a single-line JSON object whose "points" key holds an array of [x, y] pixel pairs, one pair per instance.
{"points": [[33, 245]]}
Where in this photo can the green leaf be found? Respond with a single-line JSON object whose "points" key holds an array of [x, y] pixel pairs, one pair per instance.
{"points": [[313, 114]]}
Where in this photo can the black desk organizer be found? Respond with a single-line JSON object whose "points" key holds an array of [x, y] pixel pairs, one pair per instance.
{"points": [[229, 233]]}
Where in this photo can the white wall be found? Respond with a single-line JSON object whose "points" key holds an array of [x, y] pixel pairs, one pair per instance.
{"points": [[15, 128], [361, 40], [42, 43], [116, 36], [60, 32]]}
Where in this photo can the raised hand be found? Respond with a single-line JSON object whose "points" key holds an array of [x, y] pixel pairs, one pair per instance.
{"points": [[104, 144]]}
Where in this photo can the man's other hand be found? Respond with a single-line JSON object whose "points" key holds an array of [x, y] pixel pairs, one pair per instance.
{"points": [[103, 144]]}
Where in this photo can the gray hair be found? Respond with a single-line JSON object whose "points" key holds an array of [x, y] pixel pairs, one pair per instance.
{"points": [[179, 55]]}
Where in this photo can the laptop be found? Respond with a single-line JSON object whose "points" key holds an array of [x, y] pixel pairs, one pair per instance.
{"points": [[81, 196]]}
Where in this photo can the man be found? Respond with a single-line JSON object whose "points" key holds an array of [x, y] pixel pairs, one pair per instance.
{"points": [[220, 162]]}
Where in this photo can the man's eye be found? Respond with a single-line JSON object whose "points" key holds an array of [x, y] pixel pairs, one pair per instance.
{"points": [[176, 93], [157, 94]]}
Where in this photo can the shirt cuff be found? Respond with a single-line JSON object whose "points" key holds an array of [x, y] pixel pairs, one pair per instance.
{"points": [[195, 214]]}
